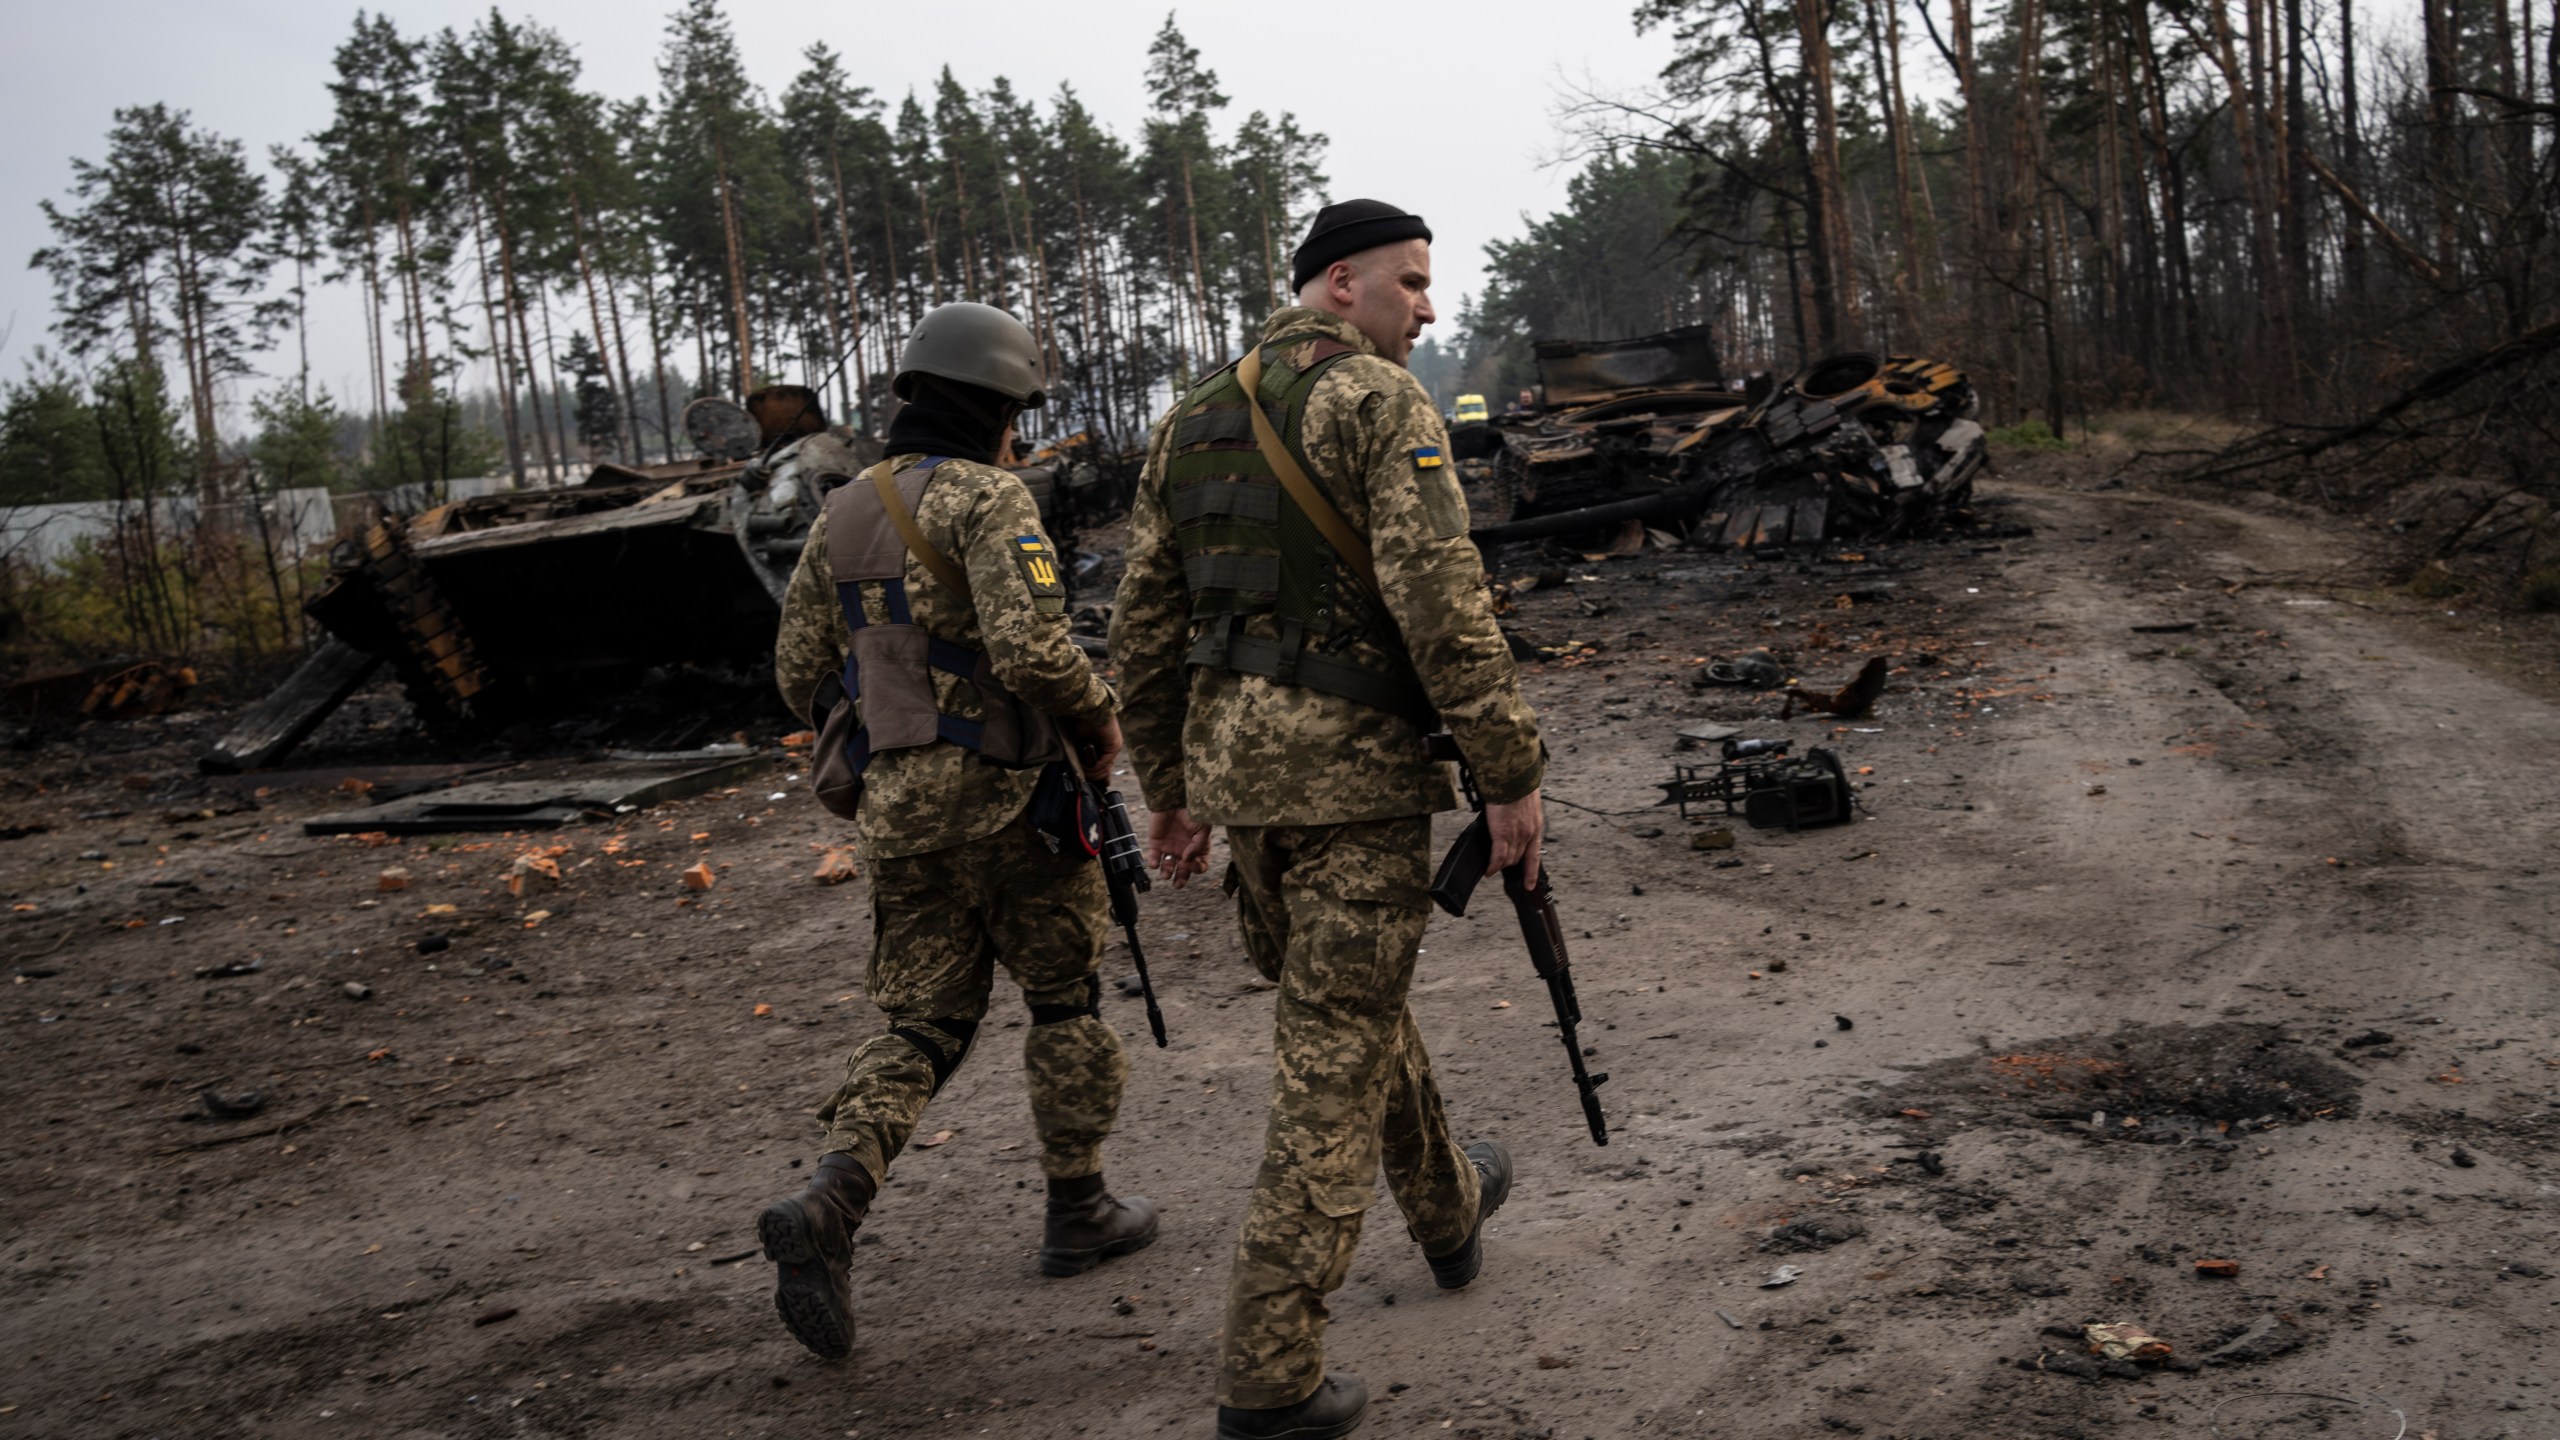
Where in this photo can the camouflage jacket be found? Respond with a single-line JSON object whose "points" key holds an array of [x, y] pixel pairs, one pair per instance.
{"points": [[938, 795], [1242, 750]]}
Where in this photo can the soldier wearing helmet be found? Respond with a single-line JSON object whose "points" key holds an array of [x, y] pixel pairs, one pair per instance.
{"points": [[927, 620]]}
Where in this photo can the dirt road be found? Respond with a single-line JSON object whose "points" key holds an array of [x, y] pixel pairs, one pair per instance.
{"points": [[2232, 941]]}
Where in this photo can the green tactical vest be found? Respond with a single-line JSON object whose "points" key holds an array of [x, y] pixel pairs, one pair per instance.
{"points": [[1247, 549]]}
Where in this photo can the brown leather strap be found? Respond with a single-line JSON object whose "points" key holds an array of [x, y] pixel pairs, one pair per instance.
{"points": [[934, 561], [1328, 521]]}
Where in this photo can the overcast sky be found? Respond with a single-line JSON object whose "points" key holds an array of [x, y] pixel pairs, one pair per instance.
{"points": [[1447, 110]]}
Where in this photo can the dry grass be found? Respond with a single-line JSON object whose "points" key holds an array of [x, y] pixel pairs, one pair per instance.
{"points": [[2121, 434]]}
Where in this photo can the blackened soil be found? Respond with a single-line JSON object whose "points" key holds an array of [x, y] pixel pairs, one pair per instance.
{"points": [[2148, 772]]}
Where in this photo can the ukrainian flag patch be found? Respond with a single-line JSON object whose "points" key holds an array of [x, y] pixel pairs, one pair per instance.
{"points": [[1426, 457], [1039, 568]]}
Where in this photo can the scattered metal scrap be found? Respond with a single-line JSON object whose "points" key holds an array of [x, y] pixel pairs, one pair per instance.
{"points": [[625, 781], [114, 690], [1856, 445], [1767, 786]]}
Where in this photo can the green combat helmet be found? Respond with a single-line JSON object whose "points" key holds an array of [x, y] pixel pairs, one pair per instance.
{"points": [[975, 345]]}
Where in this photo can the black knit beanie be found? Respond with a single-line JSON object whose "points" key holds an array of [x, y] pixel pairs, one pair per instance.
{"points": [[1348, 227]]}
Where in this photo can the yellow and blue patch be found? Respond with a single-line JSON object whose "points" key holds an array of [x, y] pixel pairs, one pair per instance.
{"points": [[1039, 567], [1426, 457]]}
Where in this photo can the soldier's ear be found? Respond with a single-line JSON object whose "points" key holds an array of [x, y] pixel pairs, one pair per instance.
{"points": [[1341, 281]]}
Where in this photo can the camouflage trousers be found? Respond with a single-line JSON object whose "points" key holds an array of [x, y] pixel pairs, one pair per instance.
{"points": [[1335, 914], [940, 924]]}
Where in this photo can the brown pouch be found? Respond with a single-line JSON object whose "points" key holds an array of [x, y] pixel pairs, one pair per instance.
{"points": [[837, 783]]}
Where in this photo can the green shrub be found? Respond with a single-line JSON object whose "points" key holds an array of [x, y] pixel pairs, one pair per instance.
{"points": [[2029, 434]]}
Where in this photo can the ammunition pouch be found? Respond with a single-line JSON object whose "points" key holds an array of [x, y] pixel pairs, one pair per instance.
{"points": [[1223, 645], [1061, 811]]}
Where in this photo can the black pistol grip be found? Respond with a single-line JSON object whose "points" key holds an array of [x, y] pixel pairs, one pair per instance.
{"points": [[1463, 868]]}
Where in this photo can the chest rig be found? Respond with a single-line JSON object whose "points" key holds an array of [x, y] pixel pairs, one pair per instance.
{"points": [[1248, 548], [888, 701]]}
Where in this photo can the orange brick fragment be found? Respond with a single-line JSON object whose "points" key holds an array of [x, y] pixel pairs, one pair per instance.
{"points": [[699, 877], [2220, 1269]]}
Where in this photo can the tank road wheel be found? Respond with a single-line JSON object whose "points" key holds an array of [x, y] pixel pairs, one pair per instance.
{"points": [[1509, 489]]}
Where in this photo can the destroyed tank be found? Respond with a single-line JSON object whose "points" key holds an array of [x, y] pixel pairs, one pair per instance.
{"points": [[1855, 446], [504, 606], [1612, 412]]}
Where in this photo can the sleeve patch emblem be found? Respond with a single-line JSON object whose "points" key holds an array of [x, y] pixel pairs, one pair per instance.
{"points": [[1426, 457], [1039, 567]]}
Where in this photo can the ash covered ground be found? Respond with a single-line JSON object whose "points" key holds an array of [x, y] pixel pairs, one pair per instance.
{"points": [[2202, 909]]}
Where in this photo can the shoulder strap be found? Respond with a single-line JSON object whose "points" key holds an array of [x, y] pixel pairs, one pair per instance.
{"points": [[934, 561], [1328, 521]]}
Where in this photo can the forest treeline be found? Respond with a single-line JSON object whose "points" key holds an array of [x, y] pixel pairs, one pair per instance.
{"points": [[2270, 208], [613, 257], [2266, 208]]}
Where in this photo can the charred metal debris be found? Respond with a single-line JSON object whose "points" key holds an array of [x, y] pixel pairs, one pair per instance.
{"points": [[1767, 786], [502, 606], [1647, 433]]}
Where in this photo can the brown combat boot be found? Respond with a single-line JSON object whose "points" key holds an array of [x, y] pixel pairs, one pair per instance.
{"points": [[1088, 1225], [810, 1236]]}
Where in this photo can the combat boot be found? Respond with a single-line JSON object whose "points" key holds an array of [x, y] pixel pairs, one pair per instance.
{"points": [[1329, 1414], [1087, 1225], [810, 1237], [1492, 1160]]}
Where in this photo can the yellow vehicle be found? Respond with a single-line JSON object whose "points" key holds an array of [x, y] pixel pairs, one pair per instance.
{"points": [[1470, 407]]}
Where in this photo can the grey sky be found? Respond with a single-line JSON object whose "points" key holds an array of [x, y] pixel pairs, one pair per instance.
{"points": [[1444, 109]]}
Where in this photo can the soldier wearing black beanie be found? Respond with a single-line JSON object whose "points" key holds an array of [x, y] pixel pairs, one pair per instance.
{"points": [[1300, 605], [1347, 227]]}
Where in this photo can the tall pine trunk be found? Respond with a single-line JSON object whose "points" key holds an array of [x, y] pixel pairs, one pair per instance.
{"points": [[501, 348], [852, 300], [730, 241]]}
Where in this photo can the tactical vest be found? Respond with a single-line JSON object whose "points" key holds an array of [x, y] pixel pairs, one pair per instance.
{"points": [[889, 667], [1248, 549]]}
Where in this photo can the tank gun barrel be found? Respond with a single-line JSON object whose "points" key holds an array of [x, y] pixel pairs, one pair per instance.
{"points": [[1678, 500]]}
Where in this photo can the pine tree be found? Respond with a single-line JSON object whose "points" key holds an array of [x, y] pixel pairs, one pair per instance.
{"points": [[599, 413], [1182, 160], [161, 240]]}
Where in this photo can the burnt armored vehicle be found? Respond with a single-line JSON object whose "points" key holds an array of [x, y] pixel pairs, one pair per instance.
{"points": [[1854, 446], [1613, 411], [527, 602]]}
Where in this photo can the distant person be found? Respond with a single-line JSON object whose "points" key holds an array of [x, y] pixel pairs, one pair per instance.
{"points": [[1527, 404], [948, 764], [1272, 689]]}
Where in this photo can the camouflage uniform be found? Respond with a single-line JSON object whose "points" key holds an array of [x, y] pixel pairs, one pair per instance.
{"points": [[1327, 804], [958, 881]]}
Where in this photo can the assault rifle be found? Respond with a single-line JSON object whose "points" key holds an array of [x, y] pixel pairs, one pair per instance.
{"points": [[1124, 869], [1534, 902]]}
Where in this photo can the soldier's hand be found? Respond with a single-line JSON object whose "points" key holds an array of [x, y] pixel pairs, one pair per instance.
{"points": [[1099, 741], [1178, 844], [1518, 826]]}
